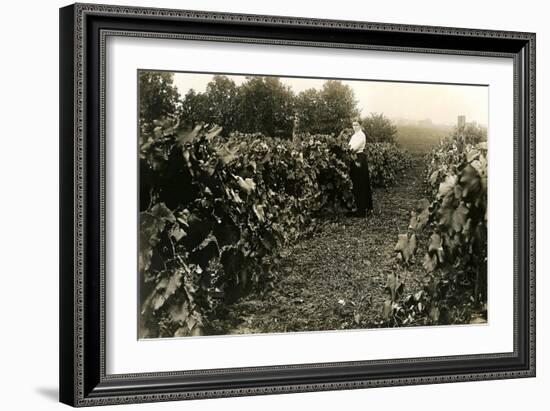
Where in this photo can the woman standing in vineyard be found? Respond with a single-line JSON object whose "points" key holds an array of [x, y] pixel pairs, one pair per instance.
{"points": [[359, 172]]}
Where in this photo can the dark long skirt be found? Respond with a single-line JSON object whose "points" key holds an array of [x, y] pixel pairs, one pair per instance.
{"points": [[360, 178]]}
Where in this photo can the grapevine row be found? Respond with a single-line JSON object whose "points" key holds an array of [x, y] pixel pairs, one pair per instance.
{"points": [[217, 211], [452, 223]]}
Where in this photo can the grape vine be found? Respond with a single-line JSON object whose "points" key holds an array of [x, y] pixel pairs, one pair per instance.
{"points": [[454, 225], [217, 211]]}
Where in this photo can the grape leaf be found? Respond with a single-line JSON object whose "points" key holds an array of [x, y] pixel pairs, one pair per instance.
{"points": [[180, 313], [387, 309], [435, 243], [247, 184], [430, 262], [259, 211], [422, 204], [402, 241], [186, 136], [162, 212], [164, 289], [472, 154], [459, 217], [177, 232], [413, 222], [447, 186], [227, 154], [213, 132], [151, 223], [421, 216], [406, 246], [394, 286], [433, 177], [470, 181], [434, 314]]}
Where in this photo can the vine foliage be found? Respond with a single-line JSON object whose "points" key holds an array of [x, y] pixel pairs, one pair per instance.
{"points": [[217, 212], [453, 224]]}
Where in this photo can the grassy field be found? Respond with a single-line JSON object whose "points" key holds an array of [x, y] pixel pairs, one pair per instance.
{"points": [[420, 139]]}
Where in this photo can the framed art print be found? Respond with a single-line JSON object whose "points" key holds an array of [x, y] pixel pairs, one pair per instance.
{"points": [[261, 204]]}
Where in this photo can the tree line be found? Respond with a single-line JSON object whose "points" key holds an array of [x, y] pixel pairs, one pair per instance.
{"points": [[261, 104]]}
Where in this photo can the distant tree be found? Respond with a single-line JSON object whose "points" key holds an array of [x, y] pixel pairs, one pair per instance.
{"points": [[265, 105], [157, 96], [217, 105], [472, 133], [338, 108], [379, 128], [326, 111], [221, 97], [309, 106], [194, 108]]}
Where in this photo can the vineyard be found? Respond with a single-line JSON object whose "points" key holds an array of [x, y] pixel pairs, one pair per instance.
{"points": [[451, 223], [222, 218], [258, 231], [217, 214]]}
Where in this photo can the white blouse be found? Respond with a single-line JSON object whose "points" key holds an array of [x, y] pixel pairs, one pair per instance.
{"points": [[357, 141]]}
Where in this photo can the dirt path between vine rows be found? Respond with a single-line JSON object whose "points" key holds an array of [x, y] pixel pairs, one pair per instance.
{"points": [[335, 278]]}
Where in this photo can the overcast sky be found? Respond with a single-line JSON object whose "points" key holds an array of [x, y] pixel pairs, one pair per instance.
{"points": [[441, 103]]}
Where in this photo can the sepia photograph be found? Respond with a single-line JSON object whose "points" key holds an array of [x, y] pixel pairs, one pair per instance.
{"points": [[266, 204], [279, 204]]}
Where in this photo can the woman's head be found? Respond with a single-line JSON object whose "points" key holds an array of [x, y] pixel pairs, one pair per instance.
{"points": [[356, 126]]}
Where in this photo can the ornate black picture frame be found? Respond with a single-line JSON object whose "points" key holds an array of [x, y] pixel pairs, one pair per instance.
{"points": [[83, 31]]}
